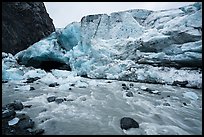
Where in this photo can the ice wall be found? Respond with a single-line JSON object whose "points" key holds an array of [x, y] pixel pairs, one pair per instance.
{"points": [[138, 45]]}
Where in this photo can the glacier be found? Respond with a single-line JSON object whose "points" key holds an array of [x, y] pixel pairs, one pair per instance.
{"points": [[136, 45], [158, 52]]}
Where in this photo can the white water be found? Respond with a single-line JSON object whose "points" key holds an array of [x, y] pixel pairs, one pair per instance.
{"points": [[98, 108]]}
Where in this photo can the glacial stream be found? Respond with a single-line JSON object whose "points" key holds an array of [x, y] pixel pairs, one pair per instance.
{"points": [[95, 107]]}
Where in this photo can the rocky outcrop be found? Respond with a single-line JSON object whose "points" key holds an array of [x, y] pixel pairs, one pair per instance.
{"points": [[23, 24], [15, 123]]}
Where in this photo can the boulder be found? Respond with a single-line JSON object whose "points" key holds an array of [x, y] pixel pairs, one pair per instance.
{"points": [[180, 83], [16, 105], [53, 84], [31, 80], [129, 94], [59, 100], [51, 99], [127, 123]]}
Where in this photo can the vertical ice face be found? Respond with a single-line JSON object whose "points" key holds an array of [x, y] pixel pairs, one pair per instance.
{"points": [[69, 36], [140, 15], [128, 45], [123, 25], [116, 26]]}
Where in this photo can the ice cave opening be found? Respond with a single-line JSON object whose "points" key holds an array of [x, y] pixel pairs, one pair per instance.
{"points": [[48, 65]]}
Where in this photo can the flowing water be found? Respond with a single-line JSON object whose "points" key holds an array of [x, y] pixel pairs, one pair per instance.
{"points": [[97, 107]]}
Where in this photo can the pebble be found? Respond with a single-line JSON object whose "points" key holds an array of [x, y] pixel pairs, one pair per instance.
{"points": [[131, 84], [16, 105], [83, 98], [72, 84], [59, 100], [51, 99], [124, 85], [32, 88], [129, 94], [166, 104], [54, 84], [126, 88], [184, 104], [31, 80], [127, 123]]}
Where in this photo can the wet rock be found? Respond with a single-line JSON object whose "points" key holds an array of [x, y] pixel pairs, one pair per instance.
{"points": [[131, 84], [126, 88], [129, 94], [59, 100], [166, 104], [168, 95], [83, 98], [184, 104], [124, 85], [180, 83], [32, 88], [8, 113], [14, 131], [109, 82], [4, 81], [31, 80], [16, 105], [51, 99], [27, 106], [25, 122], [127, 123], [54, 84], [72, 85], [148, 90], [70, 99], [151, 91], [38, 132]]}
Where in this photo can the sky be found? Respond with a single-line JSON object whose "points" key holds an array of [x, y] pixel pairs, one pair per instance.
{"points": [[64, 13]]}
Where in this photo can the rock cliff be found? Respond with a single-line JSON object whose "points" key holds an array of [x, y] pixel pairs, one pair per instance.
{"points": [[23, 24]]}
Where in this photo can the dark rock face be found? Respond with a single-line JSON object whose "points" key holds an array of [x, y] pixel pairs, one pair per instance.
{"points": [[22, 125], [23, 24], [16, 105], [127, 123]]}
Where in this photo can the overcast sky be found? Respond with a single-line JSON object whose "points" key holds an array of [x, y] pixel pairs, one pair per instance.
{"points": [[64, 13]]}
